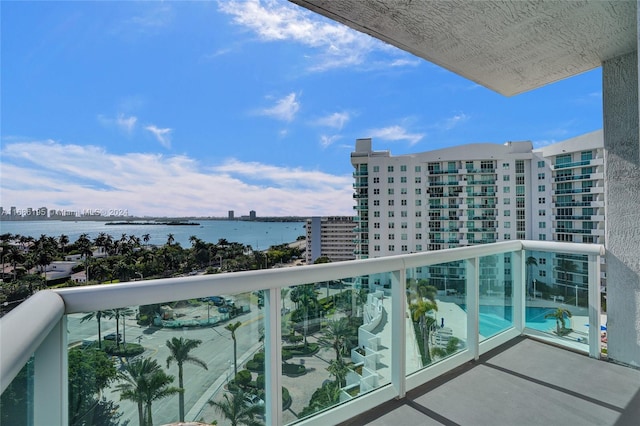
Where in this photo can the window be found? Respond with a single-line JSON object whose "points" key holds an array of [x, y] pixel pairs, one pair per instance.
{"points": [[405, 248], [540, 164], [403, 237], [376, 191], [541, 188], [505, 166], [376, 224], [542, 212], [506, 190], [376, 169], [392, 236], [418, 213], [403, 190], [418, 224], [506, 178], [376, 214], [392, 247], [542, 225], [563, 159], [418, 169], [519, 180], [418, 236], [418, 191], [376, 202], [418, 202], [403, 213], [376, 248], [507, 213], [403, 225], [392, 225], [507, 225], [390, 169], [542, 261], [519, 189], [507, 236], [519, 166], [390, 191], [507, 201], [390, 179], [376, 180], [391, 214], [586, 155], [520, 235], [542, 200], [403, 179], [403, 168], [542, 237], [418, 179], [376, 236], [542, 273], [390, 202]]}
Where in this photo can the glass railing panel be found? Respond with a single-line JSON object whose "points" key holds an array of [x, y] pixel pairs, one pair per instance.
{"points": [[337, 342], [495, 292], [557, 295], [16, 402], [213, 343], [436, 314]]}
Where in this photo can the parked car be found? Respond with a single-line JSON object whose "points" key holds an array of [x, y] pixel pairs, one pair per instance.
{"points": [[251, 399], [112, 336], [217, 300]]}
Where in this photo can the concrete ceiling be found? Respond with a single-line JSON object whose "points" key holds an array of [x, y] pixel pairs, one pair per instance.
{"points": [[507, 46]]}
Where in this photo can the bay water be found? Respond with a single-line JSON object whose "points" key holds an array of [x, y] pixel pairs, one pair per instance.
{"points": [[259, 235]]}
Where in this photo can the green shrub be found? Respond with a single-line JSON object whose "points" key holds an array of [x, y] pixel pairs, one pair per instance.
{"points": [[259, 357], [128, 350], [293, 369], [300, 350], [286, 354], [254, 366], [243, 378], [260, 382], [296, 338]]}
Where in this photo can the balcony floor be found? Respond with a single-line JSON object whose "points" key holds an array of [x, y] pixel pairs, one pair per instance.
{"points": [[524, 382]]}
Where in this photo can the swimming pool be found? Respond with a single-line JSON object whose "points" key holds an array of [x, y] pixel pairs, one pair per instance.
{"points": [[495, 319]]}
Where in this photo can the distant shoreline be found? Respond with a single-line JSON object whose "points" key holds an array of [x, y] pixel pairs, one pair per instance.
{"points": [[151, 220], [172, 223]]}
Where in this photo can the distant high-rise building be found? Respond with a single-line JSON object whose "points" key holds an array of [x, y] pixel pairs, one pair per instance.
{"points": [[230, 215], [330, 236], [252, 215]]}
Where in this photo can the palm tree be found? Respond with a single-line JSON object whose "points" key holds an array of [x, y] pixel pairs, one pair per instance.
{"points": [[419, 312], [559, 315], [180, 348], [237, 411], [145, 382], [232, 328], [530, 263], [337, 335], [146, 238], [63, 240], [84, 245], [170, 239], [98, 316]]}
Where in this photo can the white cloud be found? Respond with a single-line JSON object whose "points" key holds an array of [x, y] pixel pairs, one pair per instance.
{"points": [[162, 135], [122, 122], [337, 45], [336, 120], [88, 177], [452, 122], [284, 109], [405, 62], [543, 143], [325, 140], [396, 133]]}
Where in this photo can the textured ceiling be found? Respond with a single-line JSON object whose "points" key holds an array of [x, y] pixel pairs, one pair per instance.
{"points": [[507, 46]]}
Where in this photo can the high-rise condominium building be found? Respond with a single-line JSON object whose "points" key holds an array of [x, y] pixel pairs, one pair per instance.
{"points": [[330, 236], [480, 193]]}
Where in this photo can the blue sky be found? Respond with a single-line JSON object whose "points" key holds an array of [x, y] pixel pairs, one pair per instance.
{"points": [[197, 108]]}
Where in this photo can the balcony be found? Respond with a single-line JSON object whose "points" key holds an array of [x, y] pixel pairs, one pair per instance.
{"points": [[392, 358]]}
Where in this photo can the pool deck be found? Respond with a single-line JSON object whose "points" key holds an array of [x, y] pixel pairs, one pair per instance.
{"points": [[523, 382]]}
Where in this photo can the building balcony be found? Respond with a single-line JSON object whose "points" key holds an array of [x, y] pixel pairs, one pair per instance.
{"points": [[478, 321], [593, 162]]}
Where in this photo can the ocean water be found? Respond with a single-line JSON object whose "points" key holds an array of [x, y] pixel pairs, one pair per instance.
{"points": [[259, 235]]}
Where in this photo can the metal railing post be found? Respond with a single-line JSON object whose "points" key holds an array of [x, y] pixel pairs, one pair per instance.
{"points": [[398, 329], [473, 307], [50, 396], [518, 289], [273, 356], [594, 306]]}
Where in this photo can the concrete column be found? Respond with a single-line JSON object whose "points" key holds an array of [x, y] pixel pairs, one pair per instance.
{"points": [[622, 180]]}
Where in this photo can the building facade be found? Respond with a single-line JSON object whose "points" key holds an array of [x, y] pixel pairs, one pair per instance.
{"points": [[330, 236], [481, 193]]}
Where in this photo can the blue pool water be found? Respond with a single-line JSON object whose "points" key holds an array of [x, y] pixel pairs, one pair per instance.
{"points": [[494, 319]]}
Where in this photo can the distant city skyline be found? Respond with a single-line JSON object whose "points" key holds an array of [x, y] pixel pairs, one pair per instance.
{"points": [[197, 108]]}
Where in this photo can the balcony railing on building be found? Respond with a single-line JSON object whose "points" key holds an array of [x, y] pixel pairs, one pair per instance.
{"points": [[376, 341]]}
